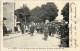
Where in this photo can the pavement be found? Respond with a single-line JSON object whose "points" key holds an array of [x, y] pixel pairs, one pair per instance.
{"points": [[26, 41], [10, 36]]}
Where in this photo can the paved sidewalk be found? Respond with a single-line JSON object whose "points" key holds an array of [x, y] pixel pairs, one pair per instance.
{"points": [[15, 35]]}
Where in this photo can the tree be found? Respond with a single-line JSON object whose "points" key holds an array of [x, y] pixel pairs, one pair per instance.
{"points": [[47, 11], [35, 14], [23, 16], [65, 12], [50, 11], [22, 13]]}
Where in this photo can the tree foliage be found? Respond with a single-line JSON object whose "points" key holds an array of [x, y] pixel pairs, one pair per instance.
{"points": [[47, 11], [22, 13], [65, 12], [51, 11], [35, 14]]}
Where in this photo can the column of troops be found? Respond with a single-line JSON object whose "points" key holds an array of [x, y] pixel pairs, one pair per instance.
{"points": [[50, 29]]}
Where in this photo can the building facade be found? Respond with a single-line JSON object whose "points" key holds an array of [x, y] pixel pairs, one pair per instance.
{"points": [[8, 13]]}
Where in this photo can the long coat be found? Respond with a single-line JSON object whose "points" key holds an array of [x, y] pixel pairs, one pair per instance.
{"points": [[32, 29], [46, 31]]}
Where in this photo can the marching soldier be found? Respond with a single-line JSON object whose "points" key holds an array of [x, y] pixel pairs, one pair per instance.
{"points": [[32, 29], [46, 31], [53, 29], [50, 29]]}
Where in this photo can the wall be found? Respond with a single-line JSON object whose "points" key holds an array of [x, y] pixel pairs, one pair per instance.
{"points": [[8, 13]]}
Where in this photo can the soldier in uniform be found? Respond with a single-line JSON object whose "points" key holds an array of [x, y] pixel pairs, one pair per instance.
{"points": [[22, 27], [41, 27], [32, 29], [37, 28], [46, 31], [50, 29], [53, 29]]}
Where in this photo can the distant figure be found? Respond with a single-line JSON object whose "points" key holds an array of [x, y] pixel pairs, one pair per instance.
{"points": [[56, 28], [9, 30], [53, 29], [32, 29], [41, 27], [22, 28], [4, 29], [62, 30], [37, 28], [18, 28], [50, 29]]}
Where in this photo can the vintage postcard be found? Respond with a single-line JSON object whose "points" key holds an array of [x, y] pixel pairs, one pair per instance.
{"points": [[40, 25]]}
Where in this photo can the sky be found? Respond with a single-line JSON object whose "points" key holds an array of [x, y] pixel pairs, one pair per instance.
{"points": [[33, 4]]}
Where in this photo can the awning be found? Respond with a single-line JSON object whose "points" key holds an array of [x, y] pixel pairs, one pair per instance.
{"points": [[4, 18]]}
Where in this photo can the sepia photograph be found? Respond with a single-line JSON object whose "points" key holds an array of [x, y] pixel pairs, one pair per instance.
{"points": [[38, 24]]}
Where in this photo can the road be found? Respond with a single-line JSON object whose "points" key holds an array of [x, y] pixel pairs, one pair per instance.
{"points": [[27, 41]]}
